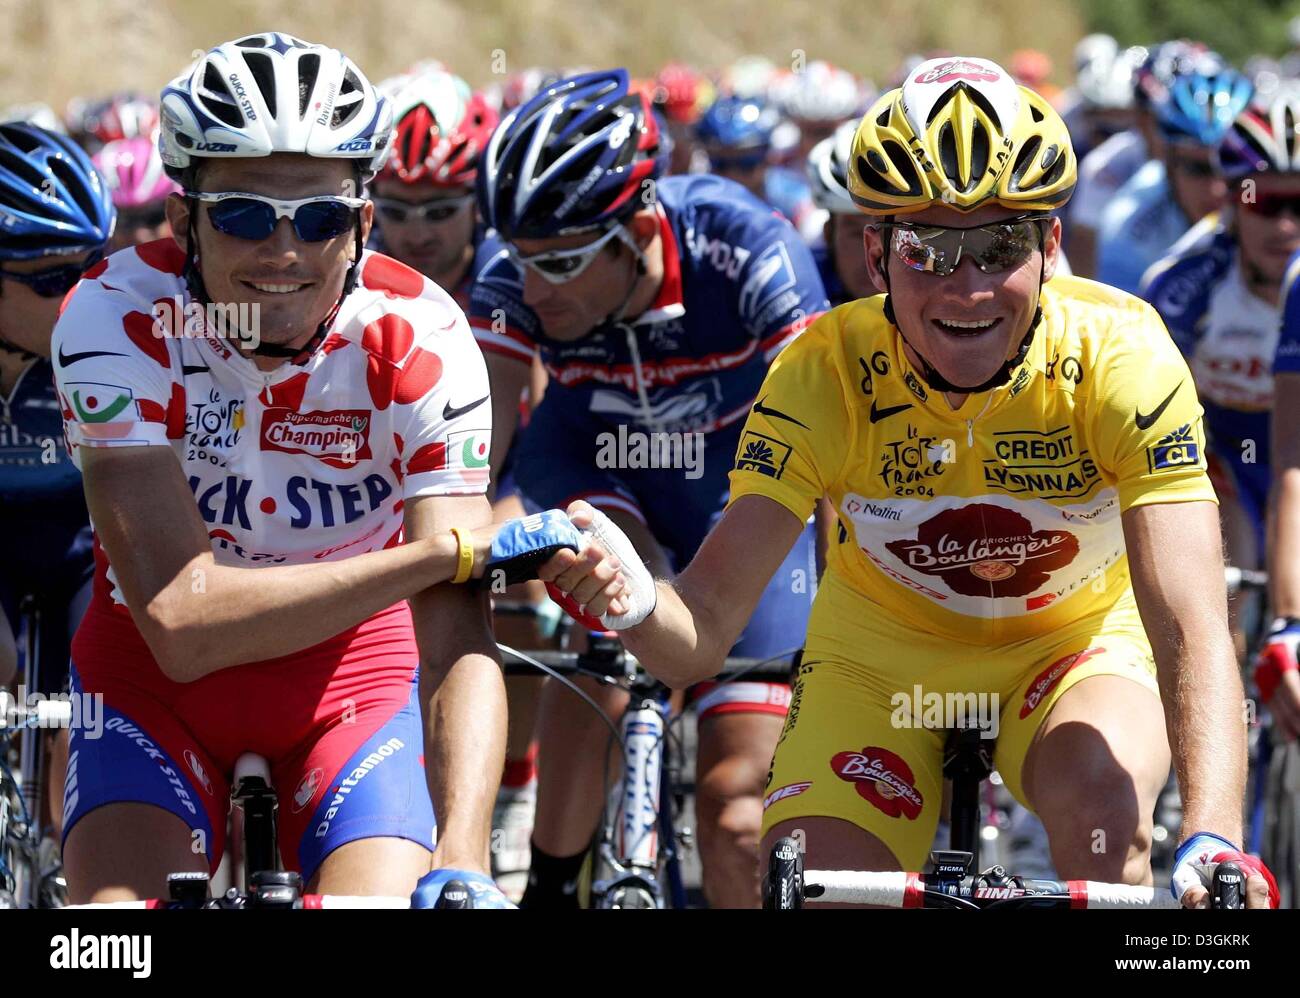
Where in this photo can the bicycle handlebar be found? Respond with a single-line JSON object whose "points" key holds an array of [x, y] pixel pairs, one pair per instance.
{"points": [[572, 662], [907, 890]]}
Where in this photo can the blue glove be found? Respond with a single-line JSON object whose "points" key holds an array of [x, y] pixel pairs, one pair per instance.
{"points": [[483, 890], [524, 543]]}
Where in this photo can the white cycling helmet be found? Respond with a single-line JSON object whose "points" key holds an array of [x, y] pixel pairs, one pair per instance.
{"points": [[1106, 82], [828, 171], [819, 92], [273, 93]]}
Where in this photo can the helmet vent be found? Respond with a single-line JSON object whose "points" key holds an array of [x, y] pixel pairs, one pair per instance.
{"points": [[308, 70], [982, 102], [1026, 159], [73, 184], [1053, 176], [348, 103], [1035, 113], [259, 63], [217, 99]]}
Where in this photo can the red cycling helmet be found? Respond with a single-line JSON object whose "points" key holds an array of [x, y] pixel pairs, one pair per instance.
{"points": [[681, 91], [442, 129]]}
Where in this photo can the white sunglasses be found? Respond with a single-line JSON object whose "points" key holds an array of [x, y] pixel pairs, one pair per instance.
{"points": [[562, 266]]}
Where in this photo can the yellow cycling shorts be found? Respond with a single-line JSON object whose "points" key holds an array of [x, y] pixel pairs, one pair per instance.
{"points": [[864, 737]]}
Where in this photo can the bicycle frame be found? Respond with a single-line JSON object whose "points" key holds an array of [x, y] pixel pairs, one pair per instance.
{"points": [[637, 836]]}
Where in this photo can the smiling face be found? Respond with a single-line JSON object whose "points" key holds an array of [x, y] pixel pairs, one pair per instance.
{"points": [[290, 285], [968, 324]]}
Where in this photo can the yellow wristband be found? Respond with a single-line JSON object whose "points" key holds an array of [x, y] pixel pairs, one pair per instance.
{"points": [[465, 555]]}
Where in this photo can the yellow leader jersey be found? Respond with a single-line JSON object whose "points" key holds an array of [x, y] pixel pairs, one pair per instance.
{"points": [[998, 521]]}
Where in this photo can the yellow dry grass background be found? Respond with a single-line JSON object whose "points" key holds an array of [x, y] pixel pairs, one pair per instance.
{"points": [[56, 50]]}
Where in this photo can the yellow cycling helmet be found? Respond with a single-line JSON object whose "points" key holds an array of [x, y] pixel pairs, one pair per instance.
{"points": [[960, 132]]}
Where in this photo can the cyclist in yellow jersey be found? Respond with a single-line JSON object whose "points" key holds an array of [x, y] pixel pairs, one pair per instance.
{"points": [[1017, 464]]}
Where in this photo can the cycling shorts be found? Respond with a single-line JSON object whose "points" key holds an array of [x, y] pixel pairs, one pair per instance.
{"points": [[861, 743], [356, 774]]}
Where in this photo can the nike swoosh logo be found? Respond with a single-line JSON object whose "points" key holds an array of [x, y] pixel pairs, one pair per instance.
{"points": [[187, 370], [763, 410], [71, 358], [450, 412], [878, 414], [1146, 422], [569, 887]]}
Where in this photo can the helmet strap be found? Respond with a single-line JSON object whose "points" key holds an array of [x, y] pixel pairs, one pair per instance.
{"points": [[616, 316], [932, 377]]}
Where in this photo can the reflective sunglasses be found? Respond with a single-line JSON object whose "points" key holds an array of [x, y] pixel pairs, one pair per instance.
{"points": [[1272, 205], [252, 216], [995, 247], [57, 281], [435, 209], [562, 266]]}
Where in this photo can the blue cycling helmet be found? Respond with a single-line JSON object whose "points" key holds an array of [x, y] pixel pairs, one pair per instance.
{"points": [[575, 157], [52, 200], [1201, 105], [738, 123]]}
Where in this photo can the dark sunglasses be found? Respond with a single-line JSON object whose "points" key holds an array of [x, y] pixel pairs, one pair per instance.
{"points": [[994, 247], [55, 282], [1272, 205], [434, 210], [252, 216]]}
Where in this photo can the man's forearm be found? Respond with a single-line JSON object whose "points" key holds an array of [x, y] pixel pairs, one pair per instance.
{"points": [[215, 616], [1205, 714], [464, 746], [676, 643]]}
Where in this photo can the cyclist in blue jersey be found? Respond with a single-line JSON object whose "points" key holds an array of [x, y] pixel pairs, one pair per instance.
{"points": [[1218, 292], [656, 304], [1170, 192], [736, 135], [57, 217], [1109, 165]]}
